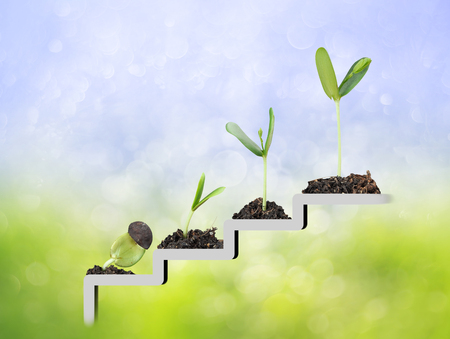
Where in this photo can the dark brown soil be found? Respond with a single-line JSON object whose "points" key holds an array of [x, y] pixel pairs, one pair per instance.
{"points": [[195, 239], [354, 183], [109, 270], [254, 211]]}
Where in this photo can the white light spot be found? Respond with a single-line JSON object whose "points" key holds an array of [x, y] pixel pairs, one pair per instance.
{"points": [[301, 282], [321, 221], [109, 45], [62, 8], [9, 79], [301, 36], [35, 312], [105, 217], [263, 68], [29, 202], [176, 47], [55, 46], [137, 70], [303, 82], [229, 168], [437, 301], [386, 99], [375, 309], [116, 190], [262, 6], [225, 303], [333, 287], [416, 115], [318, 323], [32, 115], [3, 120], [3, 222], [169, 22], [67, 299], [57, 259], [321, 269], [37, 274]]}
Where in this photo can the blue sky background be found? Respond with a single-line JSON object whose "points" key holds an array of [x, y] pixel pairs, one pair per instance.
{"points": [[111, 110]]}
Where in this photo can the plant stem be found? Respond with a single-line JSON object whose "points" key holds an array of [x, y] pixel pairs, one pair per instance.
{"points": [[265, 183], [339, 136], [109, 262], [191, 212]]}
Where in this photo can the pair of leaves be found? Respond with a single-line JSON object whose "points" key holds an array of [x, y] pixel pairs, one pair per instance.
{"points": [[198, 195], [125, 251], [235, 130], [328, 77]]}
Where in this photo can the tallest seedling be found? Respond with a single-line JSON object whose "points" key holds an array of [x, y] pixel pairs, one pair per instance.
{"points": [[329, 84], [254, 148]]}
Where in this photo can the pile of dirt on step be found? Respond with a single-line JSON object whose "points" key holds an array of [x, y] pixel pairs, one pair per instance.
{"points": [[109, 270], [354, 183], [253, 210], [195, 239]]}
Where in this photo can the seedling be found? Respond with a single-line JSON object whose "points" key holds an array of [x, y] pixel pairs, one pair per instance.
{"points": [[329, 84], [235, 130], [129, 248], [197, 202]]}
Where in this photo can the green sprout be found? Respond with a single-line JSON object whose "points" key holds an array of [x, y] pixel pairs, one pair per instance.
{"points": [[235, 130], [129, 248], [197, 202], [329, 84]]}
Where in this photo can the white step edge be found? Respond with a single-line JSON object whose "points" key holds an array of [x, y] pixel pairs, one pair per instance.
{"points": [[230, 241]]}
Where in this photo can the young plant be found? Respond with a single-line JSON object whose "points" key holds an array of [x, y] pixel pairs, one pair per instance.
{"points": [[262, 151], [197, 202], [329, 84], [129, 248]]}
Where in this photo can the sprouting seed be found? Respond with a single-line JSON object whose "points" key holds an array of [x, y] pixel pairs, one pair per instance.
{"points": [[331, 89], [235, 130], [197, 202], [130, 247]]}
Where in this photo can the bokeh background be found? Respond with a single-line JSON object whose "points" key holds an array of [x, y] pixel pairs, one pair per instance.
{"points": [[111, 110]]}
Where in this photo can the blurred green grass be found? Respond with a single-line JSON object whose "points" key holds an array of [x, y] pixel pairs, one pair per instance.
{"points": [[365, 272]]}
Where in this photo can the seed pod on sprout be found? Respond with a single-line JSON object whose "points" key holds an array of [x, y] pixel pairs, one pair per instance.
{"points": [[130, 247]]}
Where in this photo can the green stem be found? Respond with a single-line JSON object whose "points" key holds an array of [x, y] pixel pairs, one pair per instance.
{"points": [[191, 212], [109, 262], [339, 136], [265, 182]]}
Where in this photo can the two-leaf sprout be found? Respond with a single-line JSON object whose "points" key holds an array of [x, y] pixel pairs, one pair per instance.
{"points": [[329, 84], [129, 248], [197, 202], [262, 151]]}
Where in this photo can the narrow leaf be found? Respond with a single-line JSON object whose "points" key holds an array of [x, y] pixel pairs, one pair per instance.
{"points": [[354, 75], [198, 194], [270, 132], [235, 130], [260, 132], [326, 73], [217, 191]]}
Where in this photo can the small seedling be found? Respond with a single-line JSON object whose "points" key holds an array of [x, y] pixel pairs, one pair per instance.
{"points": [[235, 130], [197, 202], [129, 248], [329, 84]]}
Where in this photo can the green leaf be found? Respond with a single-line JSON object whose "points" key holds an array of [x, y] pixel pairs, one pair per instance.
{"points": [[235, 130], [125, 251], [354, 75], [260, 132], [270, 132], [198, 194], [217, 191], [326, 74]]}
